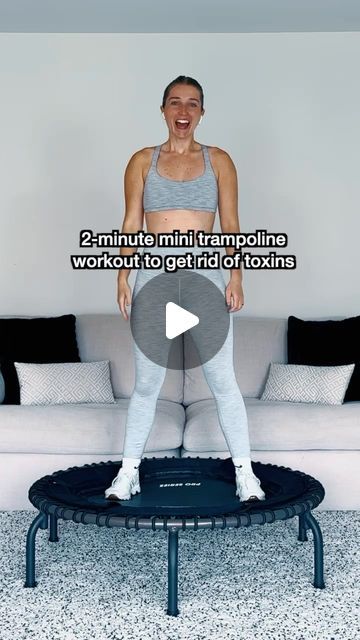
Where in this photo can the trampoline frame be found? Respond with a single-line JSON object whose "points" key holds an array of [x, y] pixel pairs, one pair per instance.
{"points": [[51, 512]]}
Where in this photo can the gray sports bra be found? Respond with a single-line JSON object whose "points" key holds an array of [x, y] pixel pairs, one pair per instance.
{"points": [[200, 194]]}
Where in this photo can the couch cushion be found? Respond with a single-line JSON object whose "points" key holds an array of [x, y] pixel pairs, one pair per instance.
{"points": [[276, 426], [109, 337], [84, 428], [257, 342]]}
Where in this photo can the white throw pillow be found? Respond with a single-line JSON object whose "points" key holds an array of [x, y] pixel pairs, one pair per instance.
{"points": [[307, 383], [64, 382]]}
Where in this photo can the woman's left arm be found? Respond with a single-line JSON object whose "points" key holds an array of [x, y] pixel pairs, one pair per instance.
{"points": [[229, 222]]}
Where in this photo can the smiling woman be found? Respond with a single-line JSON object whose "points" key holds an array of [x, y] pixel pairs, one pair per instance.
{"points": [[179, 185]]}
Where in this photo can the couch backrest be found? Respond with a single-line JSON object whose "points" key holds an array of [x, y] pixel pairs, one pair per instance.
{"points": [[109, 337], [257, 342]]}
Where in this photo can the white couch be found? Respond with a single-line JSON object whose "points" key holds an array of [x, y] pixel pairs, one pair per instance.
{"points": [[322, 440]]}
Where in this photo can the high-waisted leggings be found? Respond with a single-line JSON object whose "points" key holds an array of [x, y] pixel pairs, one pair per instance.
{"points": [[219, 374]]}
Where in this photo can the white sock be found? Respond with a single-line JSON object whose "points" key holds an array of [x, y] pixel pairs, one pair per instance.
{"points": [[243, 462], [130, 464]]}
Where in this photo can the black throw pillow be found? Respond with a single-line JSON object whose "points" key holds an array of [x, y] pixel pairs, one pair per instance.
{"points": [[328, 343], [37, 340]]}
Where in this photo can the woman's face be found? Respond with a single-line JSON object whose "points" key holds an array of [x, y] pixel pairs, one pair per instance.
{"points": [[183, 103]]}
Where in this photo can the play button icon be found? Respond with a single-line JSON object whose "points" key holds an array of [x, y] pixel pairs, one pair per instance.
{"points": [[178, 320]]}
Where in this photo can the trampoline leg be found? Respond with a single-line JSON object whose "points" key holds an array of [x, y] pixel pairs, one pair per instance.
{"points": [[40, 521], [53, 537], [302, 529], [173, 541], [312, 524]]}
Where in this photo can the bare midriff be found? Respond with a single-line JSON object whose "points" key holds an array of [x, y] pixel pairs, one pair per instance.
{"points": [[179, 219]]}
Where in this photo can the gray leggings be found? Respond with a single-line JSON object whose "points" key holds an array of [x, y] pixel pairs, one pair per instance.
{"points": [[218, 371]]}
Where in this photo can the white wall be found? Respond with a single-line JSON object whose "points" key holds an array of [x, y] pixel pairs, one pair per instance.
{"points": [[74, 107]]}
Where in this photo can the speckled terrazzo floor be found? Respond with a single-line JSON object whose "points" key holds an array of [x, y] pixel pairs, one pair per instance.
{"points": [[247, 584]]}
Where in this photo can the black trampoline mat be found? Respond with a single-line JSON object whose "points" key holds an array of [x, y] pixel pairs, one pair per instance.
{"points": [[184, 487]]}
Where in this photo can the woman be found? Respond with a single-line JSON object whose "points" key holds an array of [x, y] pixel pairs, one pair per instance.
{"points": [[179, 185]]}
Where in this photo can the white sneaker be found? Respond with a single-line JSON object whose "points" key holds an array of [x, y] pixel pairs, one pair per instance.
{"points": [[124, 485], [248, 485]]}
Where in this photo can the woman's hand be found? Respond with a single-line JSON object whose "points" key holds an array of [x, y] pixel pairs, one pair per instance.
{"points": [[234, 295], [123, 296]]}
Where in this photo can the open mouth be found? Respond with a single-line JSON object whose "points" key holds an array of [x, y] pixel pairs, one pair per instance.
{"points": [[182, 124]]}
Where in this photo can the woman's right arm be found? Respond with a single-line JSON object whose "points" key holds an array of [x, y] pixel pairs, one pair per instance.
{"points": [[133, 221]]}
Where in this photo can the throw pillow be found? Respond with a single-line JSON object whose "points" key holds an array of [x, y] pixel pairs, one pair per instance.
{"points": [[64, 383], [327, 342], [48, 339], [304, 383]]}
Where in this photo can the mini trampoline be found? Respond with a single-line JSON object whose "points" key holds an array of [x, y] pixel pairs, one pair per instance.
{"points": [[177, 494]]}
